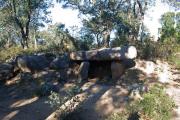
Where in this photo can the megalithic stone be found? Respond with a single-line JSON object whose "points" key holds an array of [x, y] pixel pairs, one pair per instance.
{"points": [[83, 71], [117, 53]]}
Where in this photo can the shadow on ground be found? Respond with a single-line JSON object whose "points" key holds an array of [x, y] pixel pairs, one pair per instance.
{"points": [[20, 105], [105, 99], [102, 99]]}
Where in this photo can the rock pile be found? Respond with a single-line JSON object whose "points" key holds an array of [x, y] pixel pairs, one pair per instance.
{"points": [[120, 59], [6, 71], [75, 64]]}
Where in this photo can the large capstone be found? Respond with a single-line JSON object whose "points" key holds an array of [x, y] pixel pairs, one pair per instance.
{"points": [[118, 53]]}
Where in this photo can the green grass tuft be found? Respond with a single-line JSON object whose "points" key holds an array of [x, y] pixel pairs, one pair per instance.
{"points": [[156, 105]]}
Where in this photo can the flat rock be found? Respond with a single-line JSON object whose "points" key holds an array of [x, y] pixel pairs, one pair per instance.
{"points": [[118, 53]]}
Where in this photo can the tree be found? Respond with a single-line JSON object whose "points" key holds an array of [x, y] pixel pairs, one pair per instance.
{"points": [[173, 3], [178, 26], [170, 30], [168, 26], [58, 38], [93, 30], [107, 15], [25, 14], [8, 34], [86, 39]]}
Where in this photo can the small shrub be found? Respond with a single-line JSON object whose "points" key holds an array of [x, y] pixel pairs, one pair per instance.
{"points": [[119, 116], [12, 52], [56, 99], [44, 89], [175, 57], [155, 105], [156, 50]]}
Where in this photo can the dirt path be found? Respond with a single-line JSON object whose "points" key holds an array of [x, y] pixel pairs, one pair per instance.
{"points": [[16, 105], [173, 89], [175, 94], [101, 100]]}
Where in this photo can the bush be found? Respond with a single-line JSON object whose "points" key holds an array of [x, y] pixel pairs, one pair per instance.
{"points": [[156, 50], [12, 52], [44, 89], [156, 105], [56, 100], [119, 116], [175, 57], [175, 60]]}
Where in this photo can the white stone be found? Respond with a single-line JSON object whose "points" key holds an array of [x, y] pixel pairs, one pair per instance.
{"points": [[150, 67], [165, 74], [132, 52]]}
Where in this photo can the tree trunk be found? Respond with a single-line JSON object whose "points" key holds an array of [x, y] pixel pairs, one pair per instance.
{"points": [[97, 39], [8, 43], [106, 38], [24, 41], [24, 29], [35, 41]]}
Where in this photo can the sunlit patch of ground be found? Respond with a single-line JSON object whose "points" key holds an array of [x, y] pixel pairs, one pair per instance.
{"points": [[101, 99], [10, 115], [23, 102]]}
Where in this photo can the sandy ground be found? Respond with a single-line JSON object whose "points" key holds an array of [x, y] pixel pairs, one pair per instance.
{"points": [[19, 106], [102, 100], [175, 94]]}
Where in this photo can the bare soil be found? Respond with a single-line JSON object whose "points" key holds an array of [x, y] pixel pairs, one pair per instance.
{"points": [[21, 105], [18, 103]]}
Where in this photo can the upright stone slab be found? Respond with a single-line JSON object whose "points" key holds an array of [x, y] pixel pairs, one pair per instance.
{"points": [[83, 71], [117, 69], [59, 63], [121, 58]]}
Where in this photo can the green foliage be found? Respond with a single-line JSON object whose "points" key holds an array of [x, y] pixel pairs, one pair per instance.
{"points": [[12, 52], [105, 17], [119, 116], [155, 105], [178, 27], [24, 16], [44, 89], [156, 50], [8, 32], [170, 30], [56, 100], [174, 58], [57, 38], [86, 42], [174, 3]]}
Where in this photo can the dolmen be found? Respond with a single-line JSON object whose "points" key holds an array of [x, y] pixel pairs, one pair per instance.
{"points": [[120, 59], [80, 65]]}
